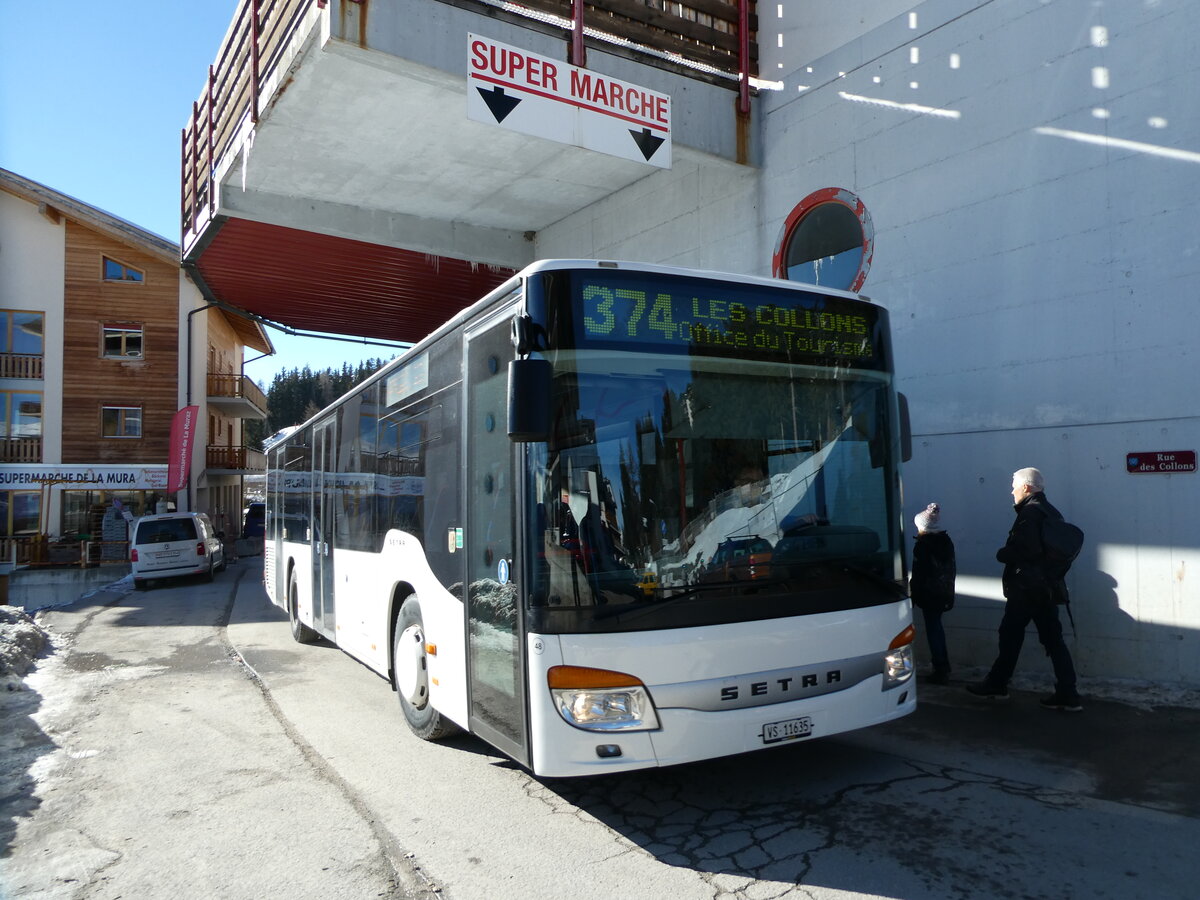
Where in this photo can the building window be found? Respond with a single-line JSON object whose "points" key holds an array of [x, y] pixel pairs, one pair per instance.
{"points": [[22, 415], [20, 427], [118, 271], [82, 512], [828, 239], [21, 332], [20, 513], [123, 341], [121, 421]]}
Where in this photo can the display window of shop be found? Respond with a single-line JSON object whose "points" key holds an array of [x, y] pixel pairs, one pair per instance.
{"points": [[83, 512], [20, 513]]}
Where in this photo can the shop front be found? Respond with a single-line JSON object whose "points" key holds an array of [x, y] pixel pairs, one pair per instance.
{"points": [[56, 515]]}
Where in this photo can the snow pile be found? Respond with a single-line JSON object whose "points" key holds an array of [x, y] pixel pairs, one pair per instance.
{"points": [[21, 640]]}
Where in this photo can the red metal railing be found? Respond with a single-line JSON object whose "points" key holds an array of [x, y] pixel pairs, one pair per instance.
{"points": [[712, 40], [249, 56]]}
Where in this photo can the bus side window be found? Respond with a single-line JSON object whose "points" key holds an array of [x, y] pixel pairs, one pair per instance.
{"points": [[296, 485], [401, 484], [356, 474]]}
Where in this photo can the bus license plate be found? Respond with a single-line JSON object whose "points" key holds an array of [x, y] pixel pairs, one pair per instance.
{"points": [[787, 730]]}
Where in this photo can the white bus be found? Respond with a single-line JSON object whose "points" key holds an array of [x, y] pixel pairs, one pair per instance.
{"points": [[613, 516]]}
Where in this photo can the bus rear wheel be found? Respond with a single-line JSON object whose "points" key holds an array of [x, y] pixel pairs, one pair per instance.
{"points": [[411, 667], [301, 633]]}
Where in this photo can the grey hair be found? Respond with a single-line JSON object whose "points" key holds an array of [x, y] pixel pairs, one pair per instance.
{"points": [[1031, 477]]}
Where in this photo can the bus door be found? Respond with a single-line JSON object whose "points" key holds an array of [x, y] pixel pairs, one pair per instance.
{"points": [[495, 622], [321, 534]]}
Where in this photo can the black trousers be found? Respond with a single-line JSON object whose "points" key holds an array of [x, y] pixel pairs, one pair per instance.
{"points": [[1018, 613]]}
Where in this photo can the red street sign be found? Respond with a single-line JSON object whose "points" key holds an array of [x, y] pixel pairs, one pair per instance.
{"points": [[1161, 462]]}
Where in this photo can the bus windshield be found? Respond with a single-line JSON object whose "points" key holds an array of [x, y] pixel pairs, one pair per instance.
{"points": [[683, 490]]}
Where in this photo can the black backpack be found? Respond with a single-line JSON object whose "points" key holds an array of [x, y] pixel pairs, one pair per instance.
{"points": [[1061, 542]]}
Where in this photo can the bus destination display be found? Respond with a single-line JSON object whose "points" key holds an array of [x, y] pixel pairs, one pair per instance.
{"points": [[702, 316]]}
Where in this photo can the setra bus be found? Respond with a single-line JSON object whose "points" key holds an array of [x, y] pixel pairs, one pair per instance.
{"points": [[613, 516]]}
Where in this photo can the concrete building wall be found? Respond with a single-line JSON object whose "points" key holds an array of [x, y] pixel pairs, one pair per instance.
{"points": [[1030, 169], [193, 390], [32, 263], [704, 216], [795, 31]]}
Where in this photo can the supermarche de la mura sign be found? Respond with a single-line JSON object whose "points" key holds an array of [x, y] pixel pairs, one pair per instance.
{"points": [[547, 98]]}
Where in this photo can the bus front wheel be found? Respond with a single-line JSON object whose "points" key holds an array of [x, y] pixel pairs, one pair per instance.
{"points": [[412, 676], [301, 633]]}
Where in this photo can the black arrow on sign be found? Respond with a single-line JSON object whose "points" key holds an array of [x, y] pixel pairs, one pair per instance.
{"points": [[647, 142], [498, 102]]}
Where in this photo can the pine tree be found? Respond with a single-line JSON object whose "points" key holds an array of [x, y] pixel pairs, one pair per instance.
{"points": [[298, 394]]}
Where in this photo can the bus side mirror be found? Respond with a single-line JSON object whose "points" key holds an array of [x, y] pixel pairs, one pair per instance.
{"points": [[905, 429], [529, 382]]}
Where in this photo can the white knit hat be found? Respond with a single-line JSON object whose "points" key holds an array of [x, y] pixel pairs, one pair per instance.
{"points": [[927, 519]]}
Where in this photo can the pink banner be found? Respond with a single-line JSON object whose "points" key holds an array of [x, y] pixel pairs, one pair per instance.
{"points": [[183, 430]]}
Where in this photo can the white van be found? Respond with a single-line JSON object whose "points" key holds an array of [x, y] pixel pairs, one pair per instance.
{"points": [[175, 544]]}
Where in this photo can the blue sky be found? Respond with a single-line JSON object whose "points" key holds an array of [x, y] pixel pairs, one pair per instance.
{"points": [[93, 97]]}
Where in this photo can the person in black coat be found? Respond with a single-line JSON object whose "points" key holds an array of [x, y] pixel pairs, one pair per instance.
{"points": [[1032, 594], [931, 585]]}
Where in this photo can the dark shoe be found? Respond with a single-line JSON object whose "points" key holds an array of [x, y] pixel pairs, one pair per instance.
{"points": [[938, 677], [1063, 702], [987, 690]]}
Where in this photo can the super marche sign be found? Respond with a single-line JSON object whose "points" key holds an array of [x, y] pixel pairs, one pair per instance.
{"points": [[546, 98]]}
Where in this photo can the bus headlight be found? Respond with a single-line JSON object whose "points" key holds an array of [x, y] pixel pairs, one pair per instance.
{"points": [[898, 662], [600, 700]]}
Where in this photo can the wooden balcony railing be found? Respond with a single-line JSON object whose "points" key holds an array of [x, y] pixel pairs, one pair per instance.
{"points": [[21, 450], [703, 34], [236, 387], [20, 365], [712, 40], [237, 459]]}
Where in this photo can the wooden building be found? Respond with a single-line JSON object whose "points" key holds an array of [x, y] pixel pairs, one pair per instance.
{"points": [[97, 321]]}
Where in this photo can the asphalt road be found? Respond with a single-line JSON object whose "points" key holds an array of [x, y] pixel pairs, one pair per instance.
{"points": [[179, 744]]}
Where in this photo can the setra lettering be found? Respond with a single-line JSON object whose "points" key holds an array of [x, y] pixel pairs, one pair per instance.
{"points": [[780, 686]]}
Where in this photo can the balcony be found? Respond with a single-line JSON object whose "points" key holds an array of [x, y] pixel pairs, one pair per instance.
{"points": [[21, 450], [708, 40], [236, 396], [234, 460], [370, 205], [21, 365]]}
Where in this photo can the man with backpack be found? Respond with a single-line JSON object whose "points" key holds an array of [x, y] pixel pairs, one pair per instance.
{"points": [[1033, 589]]}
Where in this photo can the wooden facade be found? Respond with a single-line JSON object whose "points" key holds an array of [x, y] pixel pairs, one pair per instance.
{"points": [[91, 380]]}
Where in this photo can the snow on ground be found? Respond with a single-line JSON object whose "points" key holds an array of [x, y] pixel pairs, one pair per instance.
{"points": [[23, 639], [21, 642]]}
